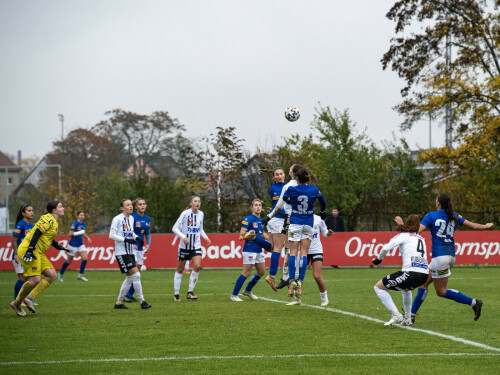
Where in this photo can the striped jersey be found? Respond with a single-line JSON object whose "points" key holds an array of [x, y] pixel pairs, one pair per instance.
{"points": [[413, 251], [190, 225], [122, 227]]}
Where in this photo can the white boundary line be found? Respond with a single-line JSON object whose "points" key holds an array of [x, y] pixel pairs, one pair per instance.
{"points": [[449, 337], [251, 357]]}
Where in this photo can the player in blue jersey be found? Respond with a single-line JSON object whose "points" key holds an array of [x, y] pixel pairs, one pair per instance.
{"points": [[142, 227], [442, 224], [252, 232], [301, 199], [23, 226], [75, 245]]}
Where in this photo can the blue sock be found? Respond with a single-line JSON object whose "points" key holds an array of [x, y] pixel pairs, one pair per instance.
{"points": [[63, 267], [82, 266], [239, 283], [17, 287], [253, 280], [275, 263], [303, 268], [291, 267], [130, 293], [263, 243], [456, 296], [419, 299]]}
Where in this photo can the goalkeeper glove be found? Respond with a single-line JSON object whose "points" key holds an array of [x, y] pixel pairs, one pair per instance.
{"points": [[29, 256], [265, 220], [130, 240], [323, 215], [376, 261], [140, 240]]}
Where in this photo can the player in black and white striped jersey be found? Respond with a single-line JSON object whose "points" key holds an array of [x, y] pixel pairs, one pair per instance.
{"points": [[189, 228], [122, 232]]}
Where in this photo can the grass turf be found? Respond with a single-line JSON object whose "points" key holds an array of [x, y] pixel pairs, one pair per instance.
{"points": [[76, 327]]}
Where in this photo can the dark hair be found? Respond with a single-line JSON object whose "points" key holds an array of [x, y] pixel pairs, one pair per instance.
{"points": [[298, 169], [22, 210], [80, 212], [51, 206], [123, 201], [136, 200], [411, 224], [278, 169], [447, 206]]}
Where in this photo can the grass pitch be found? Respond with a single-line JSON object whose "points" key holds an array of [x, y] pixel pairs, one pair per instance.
{"points": [[76, 330]]}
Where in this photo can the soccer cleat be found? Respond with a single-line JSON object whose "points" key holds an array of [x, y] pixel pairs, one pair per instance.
{"points": [[120, 306], [413, 316], [250, 235], [190, 295], [177, 298], [186, 272], [325, 302], [59, 276], [270, 281], [298, 289], [395, 319], [82, 278], [249, 295], [130, 299], [30, 305], [295, 302], [292, 288], [477, 309], [407, 322], [145, 305], [235, 298], [282, 284], [17, 308]]}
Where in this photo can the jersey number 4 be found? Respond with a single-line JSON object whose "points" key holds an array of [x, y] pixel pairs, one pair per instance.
{"points": [[420, 248]]}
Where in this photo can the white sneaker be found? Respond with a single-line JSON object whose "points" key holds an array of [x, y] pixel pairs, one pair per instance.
{"points": [[406, 322], [250, 295], [295, 302], [82, 278], [396, 319], [324, 302], [235, 298]]}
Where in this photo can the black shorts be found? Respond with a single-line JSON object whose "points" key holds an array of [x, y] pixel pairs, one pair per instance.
{"points": [[311, 258], [126, 262], [184, 254], [286, 224], [402, 280]]}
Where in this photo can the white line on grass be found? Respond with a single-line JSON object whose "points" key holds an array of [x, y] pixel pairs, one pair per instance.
{"points": [[252, 357], [449, 337]]}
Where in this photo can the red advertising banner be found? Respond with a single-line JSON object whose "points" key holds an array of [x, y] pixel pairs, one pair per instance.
{"points": [[342, 249]]}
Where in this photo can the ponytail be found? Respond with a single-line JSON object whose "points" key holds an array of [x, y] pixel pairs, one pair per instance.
{"points": [[22, 210], [447, 206]]}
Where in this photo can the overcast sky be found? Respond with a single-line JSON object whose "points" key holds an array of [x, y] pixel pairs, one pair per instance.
{"points": [[208, 63]]}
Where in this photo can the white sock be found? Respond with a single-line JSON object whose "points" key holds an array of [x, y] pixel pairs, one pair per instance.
{"points": [[186, 267], [285, 265], [136, 280], [324, 295], [193, 279], [407, 300], [125, 287], [177, 283], [386, 299]]}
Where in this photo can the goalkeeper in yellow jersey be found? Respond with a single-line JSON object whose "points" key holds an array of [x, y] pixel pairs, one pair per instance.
{"points": [[32, 257]]}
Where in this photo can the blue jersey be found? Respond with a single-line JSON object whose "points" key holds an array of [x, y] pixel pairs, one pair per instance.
{"points": [[142, 227], [20, 231], [252, 222], [77, 241], [275, 193], [442, 232], [301, 198]]}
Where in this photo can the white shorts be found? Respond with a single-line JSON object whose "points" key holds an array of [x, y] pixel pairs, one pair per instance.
{"points": [[18, 267], [73, 250], [298, 232], [139, 256], [441, 266], [275, 225], [253, 258]]}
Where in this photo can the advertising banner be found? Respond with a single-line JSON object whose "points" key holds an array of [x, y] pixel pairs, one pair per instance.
{"points": [[342, 249]]}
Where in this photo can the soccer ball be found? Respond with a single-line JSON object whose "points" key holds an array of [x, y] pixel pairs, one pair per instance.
{"points": [[143, 268], [292, 113]]}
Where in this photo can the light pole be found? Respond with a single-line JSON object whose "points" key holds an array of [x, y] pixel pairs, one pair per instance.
{"points": [[61, 118], [219, 217]]}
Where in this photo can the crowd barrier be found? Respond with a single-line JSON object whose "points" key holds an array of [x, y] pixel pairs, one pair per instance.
{"points": [[341, 249]]}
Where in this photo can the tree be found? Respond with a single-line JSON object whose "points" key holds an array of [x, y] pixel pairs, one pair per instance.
{"points": [[142, 137]]}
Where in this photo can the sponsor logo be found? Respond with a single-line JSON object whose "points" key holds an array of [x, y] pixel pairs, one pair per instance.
{"points": [[255, 225], [419, 265], [442, 272], [193, 230], [138, 224], [190, 221]]}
